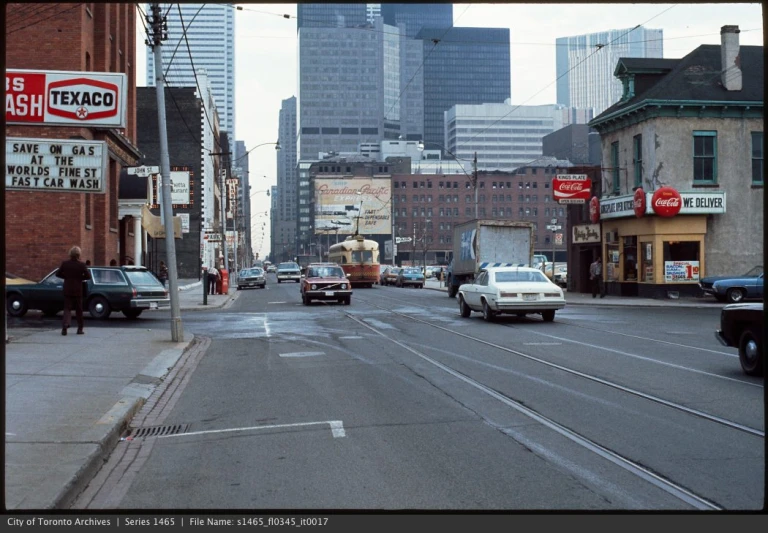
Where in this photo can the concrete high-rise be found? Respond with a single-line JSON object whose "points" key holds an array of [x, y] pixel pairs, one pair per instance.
{"points": [[331, 15], [585, 64], [285, 202], [210, 32]]}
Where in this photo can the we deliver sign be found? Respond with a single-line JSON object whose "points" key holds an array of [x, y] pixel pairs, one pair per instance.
{"points": [[55, 97]]}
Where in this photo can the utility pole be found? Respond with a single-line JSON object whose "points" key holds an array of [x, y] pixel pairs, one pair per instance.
{"points": [[474, 181], [159, 34]]}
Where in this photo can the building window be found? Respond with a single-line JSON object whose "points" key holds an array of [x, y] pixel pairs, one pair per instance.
{"points": [[757, 158], [468, 211], [637, 159], [546, 211], [704, 157], [615, 167], [88, 221], [546, 198]]}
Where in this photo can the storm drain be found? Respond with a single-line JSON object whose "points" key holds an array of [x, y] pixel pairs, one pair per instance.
{"points": [[158, 431]]}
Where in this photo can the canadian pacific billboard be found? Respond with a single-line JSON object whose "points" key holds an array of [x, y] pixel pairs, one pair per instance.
{"points": [[347, 205]]}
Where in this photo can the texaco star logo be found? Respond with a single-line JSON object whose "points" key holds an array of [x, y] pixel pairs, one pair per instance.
{"points": [[81, 112]]}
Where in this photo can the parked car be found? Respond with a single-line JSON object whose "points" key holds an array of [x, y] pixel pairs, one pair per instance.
{"points": [[513, 290], [13, 279], [325, 281], [561, 277], [288, 271], [741, 326], [382, 270], [734, 289], [128, 289], [390, 276], [410, 276], [251, 277]]}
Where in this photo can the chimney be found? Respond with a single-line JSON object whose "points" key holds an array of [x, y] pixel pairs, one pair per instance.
{"points": [[729, 57]]}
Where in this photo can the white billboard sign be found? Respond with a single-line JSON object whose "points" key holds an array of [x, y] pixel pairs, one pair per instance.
{"points": [[55, 165]]}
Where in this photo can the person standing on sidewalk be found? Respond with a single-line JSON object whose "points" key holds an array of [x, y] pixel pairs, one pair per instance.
{"points": [[213, 277], [74, 273], [163, 274], [596, 275]]}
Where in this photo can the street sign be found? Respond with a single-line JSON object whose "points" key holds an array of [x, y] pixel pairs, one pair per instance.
{"points": [[554, 227], [558, 238], [143, 171], [398, 240]]}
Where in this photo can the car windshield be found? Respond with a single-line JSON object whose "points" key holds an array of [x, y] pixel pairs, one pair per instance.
{"points": [[142, 277], [288, 266], [411, 271], [325, 272], [521, 275], [252, 272], [755, 272]]}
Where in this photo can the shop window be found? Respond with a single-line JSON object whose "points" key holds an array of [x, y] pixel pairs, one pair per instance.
{"points": [[646, 262], [757, 158], [612, 262], [637, 159], [704, 157], [681, 261], [615, 167], [630, 258]]}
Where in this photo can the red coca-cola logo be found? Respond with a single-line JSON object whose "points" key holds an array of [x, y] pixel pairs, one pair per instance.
{"points": [[666, 202], [571, 186], [594, 210], [639, 202]]}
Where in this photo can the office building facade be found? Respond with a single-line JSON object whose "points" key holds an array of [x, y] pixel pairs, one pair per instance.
{"points": [[331, 15], [585, 64], [418, 16], [285, 202]]}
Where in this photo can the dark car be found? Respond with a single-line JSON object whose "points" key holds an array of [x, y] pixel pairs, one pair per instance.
{"points": [[251, 277], [741, 326], [129, 289], [389, 277], [325, 281], [735, 289], [410, 276]]}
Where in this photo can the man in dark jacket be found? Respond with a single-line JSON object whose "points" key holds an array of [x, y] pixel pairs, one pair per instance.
{"points": [[73, 272]]}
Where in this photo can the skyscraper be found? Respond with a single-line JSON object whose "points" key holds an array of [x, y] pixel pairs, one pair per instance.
{"points": [[464, 66], [285, 202], [585, 64], [330, 15], [418, 16], [210, 32]]}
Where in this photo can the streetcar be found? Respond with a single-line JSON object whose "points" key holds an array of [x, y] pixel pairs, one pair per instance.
{"points": [[359, 257]]}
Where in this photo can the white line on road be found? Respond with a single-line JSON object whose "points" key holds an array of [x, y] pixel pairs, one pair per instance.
{"points": [[337, 429], [351, 337], [277, 303], [301, 354]]}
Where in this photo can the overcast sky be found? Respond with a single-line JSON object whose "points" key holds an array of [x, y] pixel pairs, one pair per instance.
{"points": [[266, 58]]}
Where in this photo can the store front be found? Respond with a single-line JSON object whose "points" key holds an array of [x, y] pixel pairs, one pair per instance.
{"points": [[654, 243]]}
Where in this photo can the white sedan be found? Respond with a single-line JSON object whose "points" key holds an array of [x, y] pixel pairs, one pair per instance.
{"points": [[513, 290]]}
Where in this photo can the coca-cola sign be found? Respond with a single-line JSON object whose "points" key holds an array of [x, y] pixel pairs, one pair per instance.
{"points": [[594, 210], [639, 202], [571, 188], [666, 202]]}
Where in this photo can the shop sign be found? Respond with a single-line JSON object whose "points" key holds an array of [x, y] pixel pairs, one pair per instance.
{"points": [[184, 222], [586, 233], [676, 271], [594, 210], [571, 188], [695, 203], [55, 165], [617, 207], [55, 97], [666, 202], [640, 202]]}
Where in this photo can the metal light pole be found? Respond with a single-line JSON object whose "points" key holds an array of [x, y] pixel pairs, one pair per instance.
{"points": [[158, 35], [474, 181]]}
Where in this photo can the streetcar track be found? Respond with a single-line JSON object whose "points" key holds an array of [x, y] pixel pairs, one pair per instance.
{"points": [[656, 399], [637, 469]]}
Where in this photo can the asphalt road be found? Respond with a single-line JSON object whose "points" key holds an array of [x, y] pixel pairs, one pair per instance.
{"points": [[398, 403]]}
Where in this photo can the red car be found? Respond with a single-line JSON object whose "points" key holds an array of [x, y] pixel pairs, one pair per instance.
{"points": [[325, 281]]}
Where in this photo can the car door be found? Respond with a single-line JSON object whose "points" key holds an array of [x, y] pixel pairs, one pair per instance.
{"points": [[48, 294], [755, 290], [472, 291]]}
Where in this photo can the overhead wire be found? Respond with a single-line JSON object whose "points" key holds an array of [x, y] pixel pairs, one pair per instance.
{"points": [[44, 19]]}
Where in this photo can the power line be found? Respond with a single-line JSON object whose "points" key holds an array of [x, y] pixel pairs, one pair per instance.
{"points": [[44, 19], [22, 15]]}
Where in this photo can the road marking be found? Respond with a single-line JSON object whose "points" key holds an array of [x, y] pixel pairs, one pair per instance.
{"points": [[276, 303], [301, 354], [337, 429], [351, 337], [542, 344]]}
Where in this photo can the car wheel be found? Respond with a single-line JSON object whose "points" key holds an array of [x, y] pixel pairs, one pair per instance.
{"points": [[464, 309], [98, 307], [750, 353], [488, 314], [734, 295], [132, 313], [452, 291], [279, 281], [348, 300], [239, 287], [304, 299], [50, 313], [521, 315], [15, 305], [548, 315]]}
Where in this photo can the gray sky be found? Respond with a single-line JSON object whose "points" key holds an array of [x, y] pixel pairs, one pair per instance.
{"points": [[266, 58]]}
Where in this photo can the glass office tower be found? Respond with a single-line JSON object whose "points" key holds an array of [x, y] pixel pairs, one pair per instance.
{"points": [[418, 16]]}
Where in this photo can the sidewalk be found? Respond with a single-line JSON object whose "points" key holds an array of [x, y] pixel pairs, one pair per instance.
{"points": [[582, 298], [69, 399]]}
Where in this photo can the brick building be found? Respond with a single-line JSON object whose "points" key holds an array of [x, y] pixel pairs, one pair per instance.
{"points": [[41, 226]]}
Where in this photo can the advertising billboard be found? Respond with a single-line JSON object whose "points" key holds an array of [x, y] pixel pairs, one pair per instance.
{"points": [[572, 188], [346, 205], [65, 98]]}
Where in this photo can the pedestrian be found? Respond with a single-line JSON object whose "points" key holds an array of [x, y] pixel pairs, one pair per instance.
{"points": [[163, 277], [73, 272], [213, 278], [596, 275], [113, 263]]}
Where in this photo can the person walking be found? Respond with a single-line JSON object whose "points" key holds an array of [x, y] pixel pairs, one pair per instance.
{"points": [[596, 275], [213, 277], [73, 272], [163, 274]]}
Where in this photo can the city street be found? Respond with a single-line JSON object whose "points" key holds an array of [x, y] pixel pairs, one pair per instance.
{"points": [[396, 402]]}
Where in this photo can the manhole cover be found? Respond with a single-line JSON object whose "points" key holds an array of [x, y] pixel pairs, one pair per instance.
{"points": [[158, 431]]}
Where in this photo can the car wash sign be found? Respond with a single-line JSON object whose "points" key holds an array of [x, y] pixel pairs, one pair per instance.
{"points": [[54, 97], [55, 165]]}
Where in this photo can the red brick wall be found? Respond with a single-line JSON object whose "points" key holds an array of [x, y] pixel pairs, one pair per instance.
{"points": [[40, 227]]}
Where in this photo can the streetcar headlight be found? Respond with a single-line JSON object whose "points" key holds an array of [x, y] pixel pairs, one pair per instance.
{"points": [[313, 287]]}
